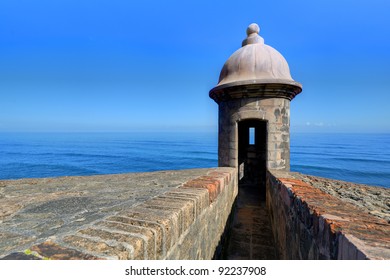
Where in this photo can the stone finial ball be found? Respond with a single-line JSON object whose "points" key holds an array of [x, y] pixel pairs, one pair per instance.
{"points": [[252, 28]]}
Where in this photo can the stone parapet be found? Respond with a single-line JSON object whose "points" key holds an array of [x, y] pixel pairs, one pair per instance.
{"points": [[156, 215], [309, 223]]}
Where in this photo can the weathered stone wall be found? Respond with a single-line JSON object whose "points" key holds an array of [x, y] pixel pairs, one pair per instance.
{"points": [[370, 199], [156, 215], [311, 224], [276, 111], [180, 215]]}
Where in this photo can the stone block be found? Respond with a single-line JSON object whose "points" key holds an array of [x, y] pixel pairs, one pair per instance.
{"points": [[52, 251], [199, 198], [212, 185], [132, 234], [169, 220], [99, 248], [185, 210], [128, 224]]}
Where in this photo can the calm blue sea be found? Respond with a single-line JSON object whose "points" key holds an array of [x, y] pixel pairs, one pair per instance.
{"points": [[361, 158]]}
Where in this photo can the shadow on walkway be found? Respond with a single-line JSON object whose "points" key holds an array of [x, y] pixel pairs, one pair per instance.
{"points": [[251, 236]]}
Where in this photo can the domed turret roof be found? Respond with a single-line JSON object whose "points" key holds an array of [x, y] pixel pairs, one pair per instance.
{"points": [[255, 63]]}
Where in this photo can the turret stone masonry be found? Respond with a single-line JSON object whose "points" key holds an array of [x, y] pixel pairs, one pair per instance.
{"points": [[184, 214], [254, 91]]}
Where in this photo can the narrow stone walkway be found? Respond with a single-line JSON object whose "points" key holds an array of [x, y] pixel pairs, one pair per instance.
{"points": [[251, 236]]}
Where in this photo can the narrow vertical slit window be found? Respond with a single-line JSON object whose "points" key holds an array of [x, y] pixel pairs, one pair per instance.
{"points": [[251, 136]]}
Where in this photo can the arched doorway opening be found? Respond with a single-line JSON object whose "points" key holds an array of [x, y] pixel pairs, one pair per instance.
{"points": [[252, 155]]}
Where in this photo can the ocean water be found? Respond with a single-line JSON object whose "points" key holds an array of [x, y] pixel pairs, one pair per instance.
{"points": [[65, 154], [361, 158]]}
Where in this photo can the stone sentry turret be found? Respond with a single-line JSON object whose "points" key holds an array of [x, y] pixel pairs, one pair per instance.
{"points": [[254, 93]]}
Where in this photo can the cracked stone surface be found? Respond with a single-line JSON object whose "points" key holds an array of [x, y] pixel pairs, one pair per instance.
{"points": [[371, 199], [33, 210]]}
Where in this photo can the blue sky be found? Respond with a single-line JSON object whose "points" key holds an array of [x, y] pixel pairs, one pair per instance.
{"points": [[74, 65]]}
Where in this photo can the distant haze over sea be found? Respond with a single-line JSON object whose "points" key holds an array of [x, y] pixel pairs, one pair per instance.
{"points": [[360, 158]]}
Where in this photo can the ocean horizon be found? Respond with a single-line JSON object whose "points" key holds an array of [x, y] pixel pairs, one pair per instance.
{"points": [[354, 157]]}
